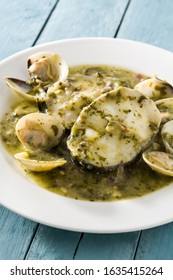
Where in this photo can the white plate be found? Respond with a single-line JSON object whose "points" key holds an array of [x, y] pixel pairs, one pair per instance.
{"points": [[31, 201]]}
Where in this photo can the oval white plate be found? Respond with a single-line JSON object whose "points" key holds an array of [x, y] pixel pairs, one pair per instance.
{"points": [[31, 201]]}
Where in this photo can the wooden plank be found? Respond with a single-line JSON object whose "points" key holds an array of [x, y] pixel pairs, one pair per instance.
{"points": [[65, 16], [21, 22], [156, 244], [76, 18], [101, 23], [151, 22], [15, 235], [53, 244], [101, 19], [107, 246]]}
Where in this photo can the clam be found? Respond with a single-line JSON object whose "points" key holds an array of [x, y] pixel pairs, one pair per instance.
{"points": [[39, 131], [25, 90], [45, 70], [155, 88], [48, 67], [35, 164], [160, 162], [167, 136], [165, 107]]}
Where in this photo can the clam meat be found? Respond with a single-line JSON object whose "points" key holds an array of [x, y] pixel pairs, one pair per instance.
{"points": [[47, 67], [39, 131], [45, 70]]}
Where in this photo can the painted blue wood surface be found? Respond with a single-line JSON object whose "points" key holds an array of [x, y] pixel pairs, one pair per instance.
{"points": [[151, 22], [107, 246], [16, 233], [20, 23], [101, 19], [53, 244], [146, 20], [47, 237], [156, 244], [76, 18]]}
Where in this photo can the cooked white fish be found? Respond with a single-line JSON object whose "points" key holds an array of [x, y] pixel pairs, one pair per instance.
{"points": [[68, 100], [114, 128]]}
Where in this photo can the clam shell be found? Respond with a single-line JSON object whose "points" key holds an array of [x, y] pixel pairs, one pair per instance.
{"points": [[38, 165], [167, 136], [155, 88], [21, 88], [165, 107], [160, 162], [47, 66], [39, 131], [45, 69]]}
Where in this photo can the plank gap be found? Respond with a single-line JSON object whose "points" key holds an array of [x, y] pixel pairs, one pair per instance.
{"points": [[137, 245], [29, 246], [45, 23], [80, 239], [122, 18]]}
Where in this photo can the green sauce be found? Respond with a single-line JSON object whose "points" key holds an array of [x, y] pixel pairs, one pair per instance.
{"points": [[71, 180]]}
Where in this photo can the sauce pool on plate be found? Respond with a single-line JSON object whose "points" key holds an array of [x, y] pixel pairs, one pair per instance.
{"points": [[83, 85]]}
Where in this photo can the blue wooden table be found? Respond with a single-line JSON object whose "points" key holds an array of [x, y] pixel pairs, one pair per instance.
{"points": [[26, 23]]}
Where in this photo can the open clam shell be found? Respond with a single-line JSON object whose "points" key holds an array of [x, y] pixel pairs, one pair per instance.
{"points": [[45, 70], [155, 88], [165, 107], [38, 165], [160, 162], [48, 67], [20, 87], [167, 136]]}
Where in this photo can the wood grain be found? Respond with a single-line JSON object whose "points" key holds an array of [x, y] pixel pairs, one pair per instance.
{"points": [[16, 234], [107, 246], [101, 19], [156, 244], [23, 23], [20, 23], [84, 19], [149, 21], [53, 244]]}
